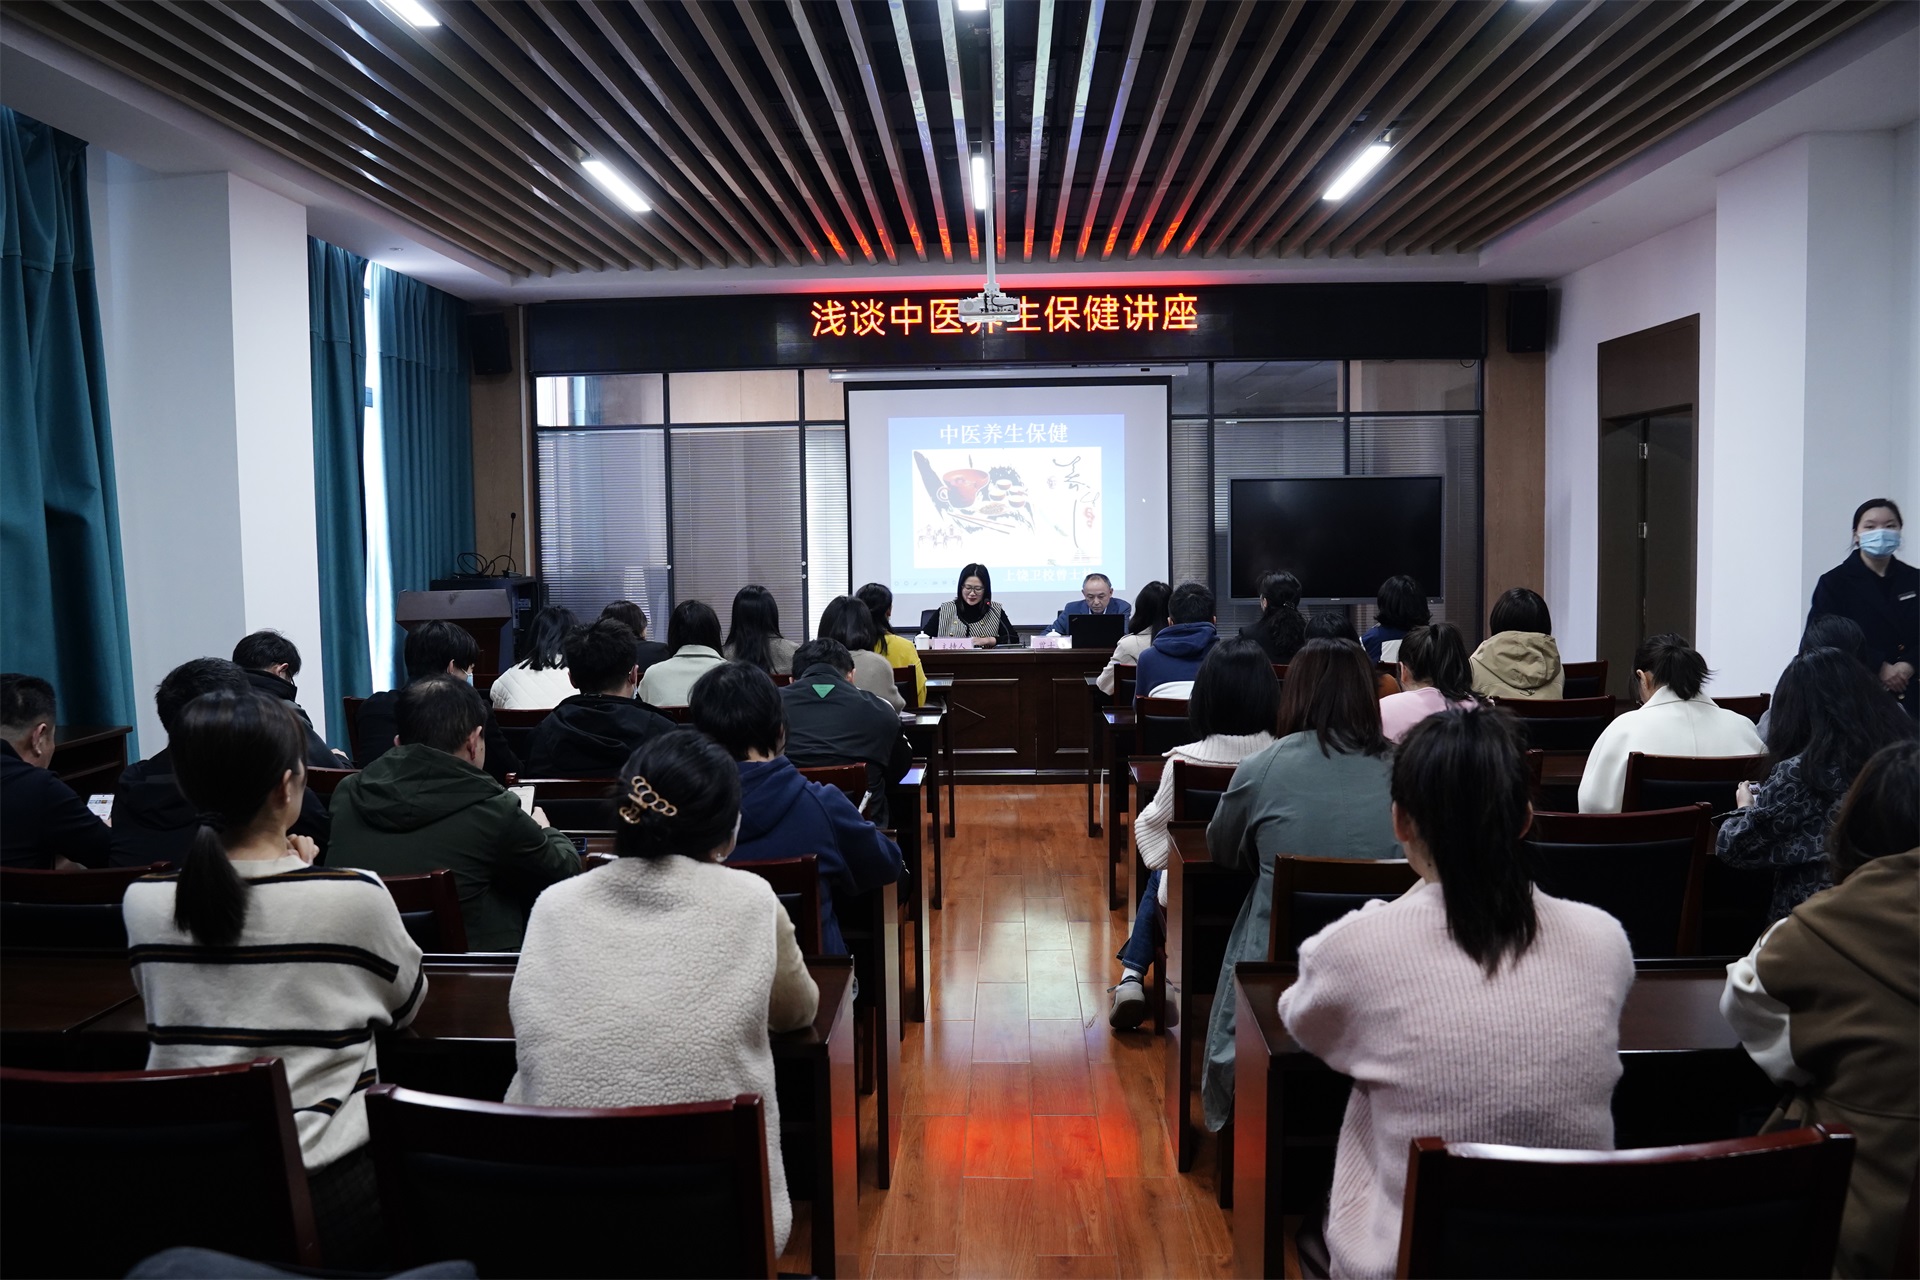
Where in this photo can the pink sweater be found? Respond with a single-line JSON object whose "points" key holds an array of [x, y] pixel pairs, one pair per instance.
{"points": [[1528, 1057], [1399, 712]]}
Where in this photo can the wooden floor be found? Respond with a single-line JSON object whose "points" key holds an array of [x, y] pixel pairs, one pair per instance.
{"points": [[1033, 1143]]}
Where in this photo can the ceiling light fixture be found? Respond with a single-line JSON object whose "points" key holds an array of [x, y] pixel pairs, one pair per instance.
{"points": [[979, 183], [616, 186], [1356, 173], [972, 6], [411, 12]]}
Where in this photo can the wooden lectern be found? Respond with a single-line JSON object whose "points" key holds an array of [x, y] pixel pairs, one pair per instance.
{"points": [[487, 614]]}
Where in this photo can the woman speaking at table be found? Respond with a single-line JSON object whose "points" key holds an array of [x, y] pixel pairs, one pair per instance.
{"points": [[972, 611]]}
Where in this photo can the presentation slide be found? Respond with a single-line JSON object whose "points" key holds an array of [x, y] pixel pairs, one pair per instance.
{"points": [[1042, 484]]}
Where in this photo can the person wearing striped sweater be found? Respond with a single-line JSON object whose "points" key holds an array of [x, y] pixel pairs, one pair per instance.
{"points": [[249, 951]]}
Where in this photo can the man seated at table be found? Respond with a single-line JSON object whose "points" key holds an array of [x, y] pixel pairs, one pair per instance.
{"points": [[829, 721], [783, 814], [42, 821], [152, 820], [591, 734], [1168, 665], [432, 649], [271, 662], [1096, 597], [428, 803]]}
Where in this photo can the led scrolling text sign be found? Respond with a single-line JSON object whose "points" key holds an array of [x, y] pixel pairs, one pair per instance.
{"points": [[1057, 313]]}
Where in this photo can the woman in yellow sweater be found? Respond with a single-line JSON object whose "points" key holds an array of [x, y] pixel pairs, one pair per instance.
{"points": [[897, 650]]}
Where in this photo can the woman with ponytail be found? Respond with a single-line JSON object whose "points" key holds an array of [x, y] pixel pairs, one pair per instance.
{"points": [[1434, 675], [250, 951], [1473, 1006]]}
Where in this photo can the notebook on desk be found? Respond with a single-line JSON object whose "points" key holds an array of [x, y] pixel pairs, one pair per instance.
{"points": [[1096, 630]]}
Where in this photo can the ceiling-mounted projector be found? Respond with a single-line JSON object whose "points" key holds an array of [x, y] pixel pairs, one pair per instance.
{"points": [[989, 306]]}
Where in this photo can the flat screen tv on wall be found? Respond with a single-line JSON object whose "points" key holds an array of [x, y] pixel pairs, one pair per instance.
{"points": [[1342, 536]]}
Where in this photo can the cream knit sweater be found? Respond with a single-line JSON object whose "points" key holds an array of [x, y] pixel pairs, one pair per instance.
{"points": [[1528, 1057]]}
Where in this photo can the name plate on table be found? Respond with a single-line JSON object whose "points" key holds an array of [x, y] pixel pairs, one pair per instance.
{"points": [[1051, 642], [953, 642]]}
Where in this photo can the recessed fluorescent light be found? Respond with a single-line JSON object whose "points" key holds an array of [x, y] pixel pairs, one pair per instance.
{"points": [[1356, 173], [615, 185], [979, 182], [973, 6], [411, 12]]}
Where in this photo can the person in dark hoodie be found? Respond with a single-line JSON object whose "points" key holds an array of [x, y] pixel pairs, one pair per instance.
{"points": [[152, 820], [1178, 648], [271, 662], [432, 649], [782, 814], [831, 721], [428, 803], [591, 734], [41, 819]]}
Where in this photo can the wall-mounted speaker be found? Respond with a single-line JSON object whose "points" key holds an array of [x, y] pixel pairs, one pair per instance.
{"points": [[487, 339], [1529, 319]]}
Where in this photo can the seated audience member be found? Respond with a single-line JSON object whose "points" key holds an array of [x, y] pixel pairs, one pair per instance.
{"points": [[851, 623], [428, 803], [655, 981], [1674, 718], [1233, 711], [152, 820], [1434, 676], [1096, 598], [1826, 631], [271, 662], [539, 681], [432, 649], [1825, 1004], [1168, 665], [1402, 607], [1281, 628], [1829, 715], [41, 819], [197, 938], [782, 814], [897, 650], [1320, 789], [1333, 624], [693, 637], [831, 721], [754, 635], [1519, 658], [1149, 615], [591, 734], [651, 651], [1473, 1006]]}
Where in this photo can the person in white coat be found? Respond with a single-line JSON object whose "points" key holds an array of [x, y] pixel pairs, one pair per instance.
{"points": [[1674, 718]]}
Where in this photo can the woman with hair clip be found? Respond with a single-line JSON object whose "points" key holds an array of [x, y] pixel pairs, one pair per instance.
{"points": [[538, 682], [897, 650], [851, 623], [657, 980], [1281, 628], [1825, 1005], [1148, 616], [1434, 675], [972, 611], [754, 635], [248, 934], [1674, 718], [1473, 1006]]}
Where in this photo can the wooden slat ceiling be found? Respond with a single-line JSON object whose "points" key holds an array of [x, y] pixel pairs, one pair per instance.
{"points": [[832, 132]]}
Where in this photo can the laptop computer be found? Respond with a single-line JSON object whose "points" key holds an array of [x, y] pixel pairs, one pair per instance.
{"points": [[1096, 630]]}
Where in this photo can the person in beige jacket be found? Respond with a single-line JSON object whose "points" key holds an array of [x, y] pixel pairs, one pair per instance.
{"points": [[1673, 719], [1519, 658]]}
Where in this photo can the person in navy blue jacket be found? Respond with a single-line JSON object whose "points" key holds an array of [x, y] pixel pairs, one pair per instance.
{"points": [[782, 814], [1178, 648], [1096, 596]]}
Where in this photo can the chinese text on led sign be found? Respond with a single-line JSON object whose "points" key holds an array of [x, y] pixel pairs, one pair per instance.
{"points": [[1039, 313]]}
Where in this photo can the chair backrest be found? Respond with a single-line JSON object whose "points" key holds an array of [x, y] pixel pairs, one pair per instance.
{"points": [[205, 1157], [1197, 789], [906, 687], [67, 910], [1667, 782], [1750, 705], [849, 778], [781, 679], [1769, 1205], [796, 882], [1561, 724], [1647, 870], [575, 804], [1124, 676], [684, 715], [1583, 679], [350, 712], [1161, 724], [429, 904], [1311, 893], [517, 726], [324, 782], [617, 1191]]}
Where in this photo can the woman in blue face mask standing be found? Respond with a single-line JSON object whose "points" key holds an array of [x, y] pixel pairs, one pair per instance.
{"points": [[1882, 594]]}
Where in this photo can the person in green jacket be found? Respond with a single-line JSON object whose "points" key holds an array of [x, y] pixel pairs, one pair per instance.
{"points": [[428, 803], [1320, 791]]}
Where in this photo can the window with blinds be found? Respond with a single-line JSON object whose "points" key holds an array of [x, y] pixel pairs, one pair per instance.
{"points": [[603, 520]]}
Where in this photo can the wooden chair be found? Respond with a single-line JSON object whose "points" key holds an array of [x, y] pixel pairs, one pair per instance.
{"points": [[1666, 782], [517, 726], [1769, 1205], [177, 1135], [849, 778], [1311, 893], [781, 679], [1161, 724], [66, 910], [574, 804], [324, 782], [1647, 870], [429, 906], [1750, 705], [1561, 724], [907, 687], [1124, 676], [796, 882], [614, 1191], [350, 712], [679, 715], [1280, 671], [1583, 679], [1197, 789]]}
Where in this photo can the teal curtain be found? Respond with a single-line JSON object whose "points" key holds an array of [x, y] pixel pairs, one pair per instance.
{"points": [[337, 319], [426, 428], [65, 614]]}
